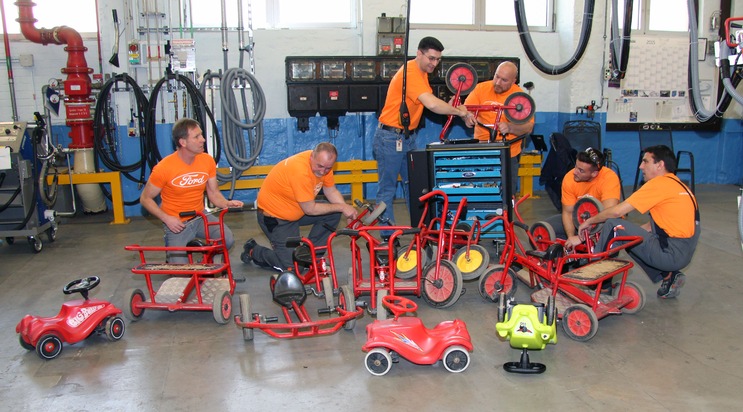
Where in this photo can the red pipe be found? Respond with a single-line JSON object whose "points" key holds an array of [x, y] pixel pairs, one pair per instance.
{"points": [[77, 87]]}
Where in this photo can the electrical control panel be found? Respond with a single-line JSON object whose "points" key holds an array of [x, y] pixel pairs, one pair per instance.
{"points": [[11, 134]]}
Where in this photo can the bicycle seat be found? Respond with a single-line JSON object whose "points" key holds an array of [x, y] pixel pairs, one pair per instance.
{"points": [[302, 255], [288, 289], [554, 251]]}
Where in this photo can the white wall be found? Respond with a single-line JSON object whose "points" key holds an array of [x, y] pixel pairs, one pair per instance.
{"points": [[551, 93]]}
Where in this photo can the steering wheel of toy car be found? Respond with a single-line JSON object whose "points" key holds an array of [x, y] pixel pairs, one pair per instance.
{"points": [[399, 305], [81, 285]]}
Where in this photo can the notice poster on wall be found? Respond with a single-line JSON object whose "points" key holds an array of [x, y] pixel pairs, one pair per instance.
{"points": [[655, 86]]}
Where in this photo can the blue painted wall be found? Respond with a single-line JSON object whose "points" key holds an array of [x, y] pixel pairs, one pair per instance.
{"points": [[717, 154]]}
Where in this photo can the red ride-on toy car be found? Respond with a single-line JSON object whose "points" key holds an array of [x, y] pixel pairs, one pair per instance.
{"points": [[202, 284], [77, 320], [406, 336]]}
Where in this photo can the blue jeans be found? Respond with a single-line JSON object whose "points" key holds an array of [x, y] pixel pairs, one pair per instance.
{"points": [[194, 229], [390, 163]]}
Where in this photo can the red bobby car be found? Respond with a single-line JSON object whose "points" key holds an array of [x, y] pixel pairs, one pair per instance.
{"points": [[406, 336], [77, 320]]}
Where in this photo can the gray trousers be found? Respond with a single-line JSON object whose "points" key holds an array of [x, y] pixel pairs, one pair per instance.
{"points": [[194, 229], [653, 257], [556, 222], [278, 230]]}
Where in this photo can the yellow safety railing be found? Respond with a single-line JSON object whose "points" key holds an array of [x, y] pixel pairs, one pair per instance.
{"points": [[352, 172], [114, 178]]}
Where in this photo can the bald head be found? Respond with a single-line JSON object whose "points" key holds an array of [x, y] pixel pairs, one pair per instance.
{"points": [[505, 76]]}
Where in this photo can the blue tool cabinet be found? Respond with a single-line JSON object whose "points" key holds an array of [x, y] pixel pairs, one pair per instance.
{"points": [[478, 172]]}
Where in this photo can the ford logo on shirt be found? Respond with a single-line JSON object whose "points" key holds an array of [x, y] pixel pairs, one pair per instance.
{"points": [[190, 179], [468, 174]]}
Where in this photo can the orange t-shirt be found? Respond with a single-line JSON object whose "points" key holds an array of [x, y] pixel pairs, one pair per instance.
{"points": [[484, 93], [417, 84], [670, 204], [289, 183], [604, 186], [181, 185]]}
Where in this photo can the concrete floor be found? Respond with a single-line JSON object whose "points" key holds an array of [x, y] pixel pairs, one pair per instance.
{"points": [[682, 354]]}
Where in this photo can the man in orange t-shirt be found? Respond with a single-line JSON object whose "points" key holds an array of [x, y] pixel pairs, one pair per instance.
{"points": [[180, 180], [286, 201], [391, 142], [496, 92], [671, 235], [588, 177]]}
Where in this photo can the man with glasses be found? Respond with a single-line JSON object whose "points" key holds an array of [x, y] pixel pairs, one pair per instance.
{"points": [[588, 177], [286, 201], [496, 92], [392, 141], [671, 235]]}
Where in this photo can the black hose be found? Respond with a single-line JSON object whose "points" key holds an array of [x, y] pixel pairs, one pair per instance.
{"points": [[105, 133], [199, 108], [620, 58], [531, 51]]}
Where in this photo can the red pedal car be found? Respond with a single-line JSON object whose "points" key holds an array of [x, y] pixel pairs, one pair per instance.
{"points": [[76, 321], [406, 336]]}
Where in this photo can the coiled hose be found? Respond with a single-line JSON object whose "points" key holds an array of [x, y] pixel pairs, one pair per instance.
{"points": [[238, 154], [105, 132], [199, 109]]}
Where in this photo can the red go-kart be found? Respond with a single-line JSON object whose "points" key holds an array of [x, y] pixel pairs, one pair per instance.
{"points": [[406, 336], [76, 321]]}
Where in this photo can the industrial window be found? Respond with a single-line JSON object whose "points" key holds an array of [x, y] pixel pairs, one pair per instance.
{"points": [[657, 15], [479, 14], [78, 14], [277, 14]]}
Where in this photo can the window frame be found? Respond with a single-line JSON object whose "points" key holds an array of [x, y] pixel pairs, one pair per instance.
{"points": [[643, 26], [273, 19], [478, 21]]}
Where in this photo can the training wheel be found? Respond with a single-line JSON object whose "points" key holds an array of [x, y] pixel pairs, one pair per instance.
{"points": [[461, 77], [520, 108], [543, 234], [374, 213], [399, 305], [585, 208]]}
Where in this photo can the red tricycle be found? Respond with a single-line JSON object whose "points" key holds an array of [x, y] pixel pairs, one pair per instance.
{"points": [[461, 79], [406, 336], [76, 321], [574, 278], [440, 284], [204, 284], [313, 272], [289, 290], [453, 243]]}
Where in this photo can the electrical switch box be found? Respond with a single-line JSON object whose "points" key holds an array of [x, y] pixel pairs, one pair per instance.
{"points": [[333, 98], [363, 98]]}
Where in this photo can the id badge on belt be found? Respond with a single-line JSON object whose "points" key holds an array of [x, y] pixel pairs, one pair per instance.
{"points": [[398, 145]]}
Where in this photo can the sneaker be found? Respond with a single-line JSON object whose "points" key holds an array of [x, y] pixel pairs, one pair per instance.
{"points": [[247, 255], [671, 285]]}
